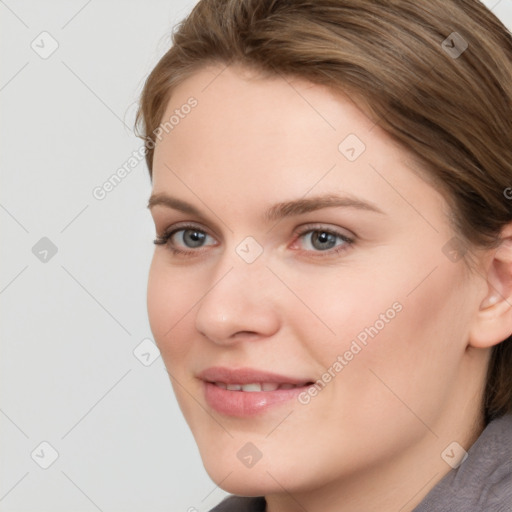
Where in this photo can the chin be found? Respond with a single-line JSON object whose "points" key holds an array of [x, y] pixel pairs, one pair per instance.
{"points": [[243, 482], [232, 475]]}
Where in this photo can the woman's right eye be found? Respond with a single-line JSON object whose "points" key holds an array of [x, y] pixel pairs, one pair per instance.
{"points": [[185, 239], [190, 238]]}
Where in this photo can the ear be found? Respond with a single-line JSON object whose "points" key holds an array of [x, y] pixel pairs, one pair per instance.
{"points": [[492, 323]]}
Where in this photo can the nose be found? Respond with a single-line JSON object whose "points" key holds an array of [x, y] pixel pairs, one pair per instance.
{"points": [[238, 305]]}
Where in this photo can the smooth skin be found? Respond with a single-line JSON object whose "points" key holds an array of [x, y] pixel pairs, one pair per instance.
{"points": [[372, 439]]}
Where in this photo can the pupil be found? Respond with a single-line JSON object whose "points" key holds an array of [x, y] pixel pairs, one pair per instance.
{"points": [[193, 238], [322, 240]]}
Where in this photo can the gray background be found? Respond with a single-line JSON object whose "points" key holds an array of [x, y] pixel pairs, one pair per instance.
{"points": [[73, 372]]}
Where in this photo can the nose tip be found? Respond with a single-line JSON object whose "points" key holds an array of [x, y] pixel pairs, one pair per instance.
{"points": [[237, 308]]}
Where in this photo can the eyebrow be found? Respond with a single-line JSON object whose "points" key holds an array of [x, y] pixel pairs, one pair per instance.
{"points": [[279, 210]]}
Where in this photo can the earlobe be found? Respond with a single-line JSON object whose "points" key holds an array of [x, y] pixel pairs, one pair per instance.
{"points": [[492, 322]]}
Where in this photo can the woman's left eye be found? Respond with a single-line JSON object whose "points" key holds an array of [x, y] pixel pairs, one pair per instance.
{"points": [[322, 240]]}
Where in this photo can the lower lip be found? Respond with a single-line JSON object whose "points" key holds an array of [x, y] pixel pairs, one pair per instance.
{"points": [[247, 403]]}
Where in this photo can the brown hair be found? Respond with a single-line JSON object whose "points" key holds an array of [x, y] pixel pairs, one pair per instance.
{"points": [[448, 104]]}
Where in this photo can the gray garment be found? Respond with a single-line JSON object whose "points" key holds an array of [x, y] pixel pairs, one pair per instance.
{"points": [[482, 483], [239, 504]]}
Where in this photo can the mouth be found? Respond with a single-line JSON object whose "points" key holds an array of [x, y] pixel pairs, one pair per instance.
{"points": [[245, 392], [257, 387]]}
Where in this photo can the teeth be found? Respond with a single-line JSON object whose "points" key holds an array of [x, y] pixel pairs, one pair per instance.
{"points": [[251, 387], [255, 387]]}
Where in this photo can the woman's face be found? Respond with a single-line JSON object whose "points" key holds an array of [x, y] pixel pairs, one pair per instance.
{"points": [[304, 249]]}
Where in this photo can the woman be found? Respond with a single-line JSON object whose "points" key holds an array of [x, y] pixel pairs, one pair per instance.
{"points": [[332, 280]]}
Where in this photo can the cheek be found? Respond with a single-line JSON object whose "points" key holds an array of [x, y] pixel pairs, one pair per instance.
{"points": [[409, 362], [170, 301], [404, 318]]}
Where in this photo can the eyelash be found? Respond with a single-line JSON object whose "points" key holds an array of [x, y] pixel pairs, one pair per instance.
{"points": [[164, 239]]}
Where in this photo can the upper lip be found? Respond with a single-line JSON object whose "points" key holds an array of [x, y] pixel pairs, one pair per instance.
{"points": [[246, 376]]}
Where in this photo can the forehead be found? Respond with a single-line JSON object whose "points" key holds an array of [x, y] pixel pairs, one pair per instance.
{"points": [[234, 96], [277, 137], [242, 114]]}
